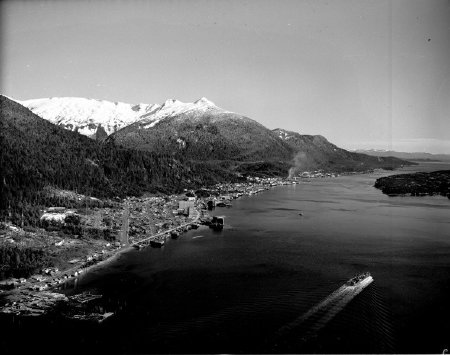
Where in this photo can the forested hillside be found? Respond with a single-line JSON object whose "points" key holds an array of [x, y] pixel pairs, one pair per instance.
{"points": [[210, 135], [316, 152]]}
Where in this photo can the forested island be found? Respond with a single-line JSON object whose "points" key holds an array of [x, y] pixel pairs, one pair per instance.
{"points": [[417, 184]]}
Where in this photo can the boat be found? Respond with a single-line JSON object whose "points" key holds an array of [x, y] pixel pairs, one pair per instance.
{"points": [[105, 316], [157, 243], [137, 246], [85, 297], [361, 279], [217, 223], [223, 204], [92, 317]]}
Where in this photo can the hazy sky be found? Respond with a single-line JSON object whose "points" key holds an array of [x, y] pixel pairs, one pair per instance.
{"points": [[369, 74]]}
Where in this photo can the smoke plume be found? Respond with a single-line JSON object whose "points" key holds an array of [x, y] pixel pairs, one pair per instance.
{"points": [[300, 164]]}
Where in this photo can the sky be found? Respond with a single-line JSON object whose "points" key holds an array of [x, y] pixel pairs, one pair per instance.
{"points": [[362, 73]]}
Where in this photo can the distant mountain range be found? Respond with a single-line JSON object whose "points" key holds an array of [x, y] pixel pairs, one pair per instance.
{"points": [[202, 131], [198, 135], [418, 156]]}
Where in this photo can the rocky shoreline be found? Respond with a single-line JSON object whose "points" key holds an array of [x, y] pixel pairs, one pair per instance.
{"points": [[416, 184]]}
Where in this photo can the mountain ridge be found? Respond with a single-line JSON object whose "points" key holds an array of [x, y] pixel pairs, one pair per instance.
{"points": [[210, 133], [316, 152], [202, 132], [100, 118], [405, 155]]}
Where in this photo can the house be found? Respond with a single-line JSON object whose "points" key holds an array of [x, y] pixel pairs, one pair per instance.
{"points": [[186, 206]]}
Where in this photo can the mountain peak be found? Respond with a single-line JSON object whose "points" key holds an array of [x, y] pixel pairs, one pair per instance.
{"points": [[204, 101], [172, 102]]}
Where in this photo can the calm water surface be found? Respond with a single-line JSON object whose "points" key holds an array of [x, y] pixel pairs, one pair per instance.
{"points": [[232, 291]]}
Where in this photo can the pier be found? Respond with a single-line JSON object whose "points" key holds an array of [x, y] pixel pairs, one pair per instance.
{"points": [[144, 241]]}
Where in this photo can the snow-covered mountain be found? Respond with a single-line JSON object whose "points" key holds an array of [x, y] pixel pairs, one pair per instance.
{"points": [[99, 118], [87, 116], [202, 131], [214, 141], [173, 108]]}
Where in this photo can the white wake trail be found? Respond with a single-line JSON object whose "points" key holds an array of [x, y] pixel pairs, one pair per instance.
{"points": [[327, 309]]}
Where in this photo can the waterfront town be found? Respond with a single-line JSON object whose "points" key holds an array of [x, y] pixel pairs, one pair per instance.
{"points": [[81, 239], [78, 240]]}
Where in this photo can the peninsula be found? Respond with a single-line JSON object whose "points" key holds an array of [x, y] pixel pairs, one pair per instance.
{"points": [[417, 184]]}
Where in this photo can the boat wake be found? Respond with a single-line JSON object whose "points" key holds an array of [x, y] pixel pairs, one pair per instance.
{"points": [[319, 315]]}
